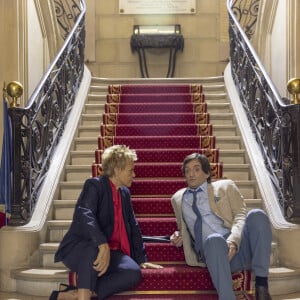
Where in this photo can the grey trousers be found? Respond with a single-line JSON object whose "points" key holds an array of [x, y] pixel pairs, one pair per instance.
{"points": [[254, 253]]}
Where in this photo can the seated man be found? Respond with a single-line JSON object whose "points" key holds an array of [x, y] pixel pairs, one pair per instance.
{"points": [[215, 229]]}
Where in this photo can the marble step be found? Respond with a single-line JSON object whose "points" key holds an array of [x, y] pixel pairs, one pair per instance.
{"points": [[94, 108], [63, 209], [211, 108], [205, 80], [211, 98], [47, 252], [214, 93], [71, 190], [218, 130], [222, 142], [209, 84], [215, 119], [226, 156], [150, 226], [40, 281], [232, 171]]}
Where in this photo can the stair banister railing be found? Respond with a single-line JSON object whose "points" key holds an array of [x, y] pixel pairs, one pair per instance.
{"points": [[274, 120], [37, 128]]}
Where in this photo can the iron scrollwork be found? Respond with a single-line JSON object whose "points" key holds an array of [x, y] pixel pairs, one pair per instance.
{"points": [[273, 120], [37, 128], [246, 13], [67, 12]]}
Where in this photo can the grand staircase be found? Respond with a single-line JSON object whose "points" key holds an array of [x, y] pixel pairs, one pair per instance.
{"points": [[160, 164]]}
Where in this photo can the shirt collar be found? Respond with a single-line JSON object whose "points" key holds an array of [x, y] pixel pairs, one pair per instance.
{"points": [[202, 187], [112, 185], [116, 196]]}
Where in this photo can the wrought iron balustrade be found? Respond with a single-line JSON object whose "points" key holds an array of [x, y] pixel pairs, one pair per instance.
{"points": [[275, 122], [37, 128], [246, 13]]}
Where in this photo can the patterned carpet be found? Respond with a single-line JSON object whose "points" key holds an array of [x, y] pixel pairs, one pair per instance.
{"points": [[198, 296], [164, 123]]}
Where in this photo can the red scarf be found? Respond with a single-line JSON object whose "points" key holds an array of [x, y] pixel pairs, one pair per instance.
{"points": [[119, 238]]}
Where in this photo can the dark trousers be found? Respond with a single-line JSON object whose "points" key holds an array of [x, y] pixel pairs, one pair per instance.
{"points": [[122, 274]]}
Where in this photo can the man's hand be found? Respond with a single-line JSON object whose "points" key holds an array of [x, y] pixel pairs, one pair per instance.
{"points": [[148, 265], [102, 261], [231, 250], [176, 239]]}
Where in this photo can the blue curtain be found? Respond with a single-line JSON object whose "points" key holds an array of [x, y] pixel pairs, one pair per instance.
{"points": [[6, 168]]}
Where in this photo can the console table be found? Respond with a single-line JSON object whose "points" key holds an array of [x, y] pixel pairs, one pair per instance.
{"points": [[156, 37]]}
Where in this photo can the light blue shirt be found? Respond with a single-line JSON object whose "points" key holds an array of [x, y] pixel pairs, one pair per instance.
{"points": [[210, 222]]}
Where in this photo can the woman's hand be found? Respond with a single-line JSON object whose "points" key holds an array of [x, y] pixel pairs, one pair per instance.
{"points": [[148, 265], [176, 239], [102, 261]]}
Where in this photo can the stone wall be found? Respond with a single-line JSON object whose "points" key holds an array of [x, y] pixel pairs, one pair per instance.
{"points": [[205, 50]]}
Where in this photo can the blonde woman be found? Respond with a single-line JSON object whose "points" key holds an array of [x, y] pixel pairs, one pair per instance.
{"points": [[104, 243]]}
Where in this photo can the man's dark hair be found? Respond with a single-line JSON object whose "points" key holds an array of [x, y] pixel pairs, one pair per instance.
{"points": [[203, 160]]}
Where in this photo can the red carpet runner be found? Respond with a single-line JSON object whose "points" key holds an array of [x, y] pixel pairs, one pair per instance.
{"points": [[163, 123]]}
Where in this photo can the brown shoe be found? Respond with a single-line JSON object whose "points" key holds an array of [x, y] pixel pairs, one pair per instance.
{"points": [[262, 293]]}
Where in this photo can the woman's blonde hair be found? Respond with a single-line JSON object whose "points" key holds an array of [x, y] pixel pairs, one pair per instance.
{"points": [[116, 156]]}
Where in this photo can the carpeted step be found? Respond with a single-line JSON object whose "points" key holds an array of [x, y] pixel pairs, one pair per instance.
{"points": [[172, 170], [165, 296], [129, 108], [153, 188], [155, 130], [156, 98], [192, 295], [154, 88], [154, 118], [167, 155], [156, 188], [154, 226], [152, 206], [160, 170], [164, 252], [228, 156], [161, 142], [182, 278]]}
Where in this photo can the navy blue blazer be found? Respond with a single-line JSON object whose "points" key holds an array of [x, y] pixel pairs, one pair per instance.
{"points": [[93, 219]]}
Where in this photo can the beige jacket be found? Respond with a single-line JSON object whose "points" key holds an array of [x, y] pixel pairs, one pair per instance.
{"points": [[226, 202]]}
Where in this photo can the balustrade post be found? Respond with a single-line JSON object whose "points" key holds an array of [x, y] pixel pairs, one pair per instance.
{"points": [[15, 90], [18, 215], [291, 175]]}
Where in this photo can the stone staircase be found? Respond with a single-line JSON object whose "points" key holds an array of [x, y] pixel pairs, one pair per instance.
{"points": [[43, 277]]}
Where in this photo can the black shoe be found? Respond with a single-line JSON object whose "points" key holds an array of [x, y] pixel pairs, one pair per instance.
{"points": [[262, 293], [62, 288], [54, 295]]}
